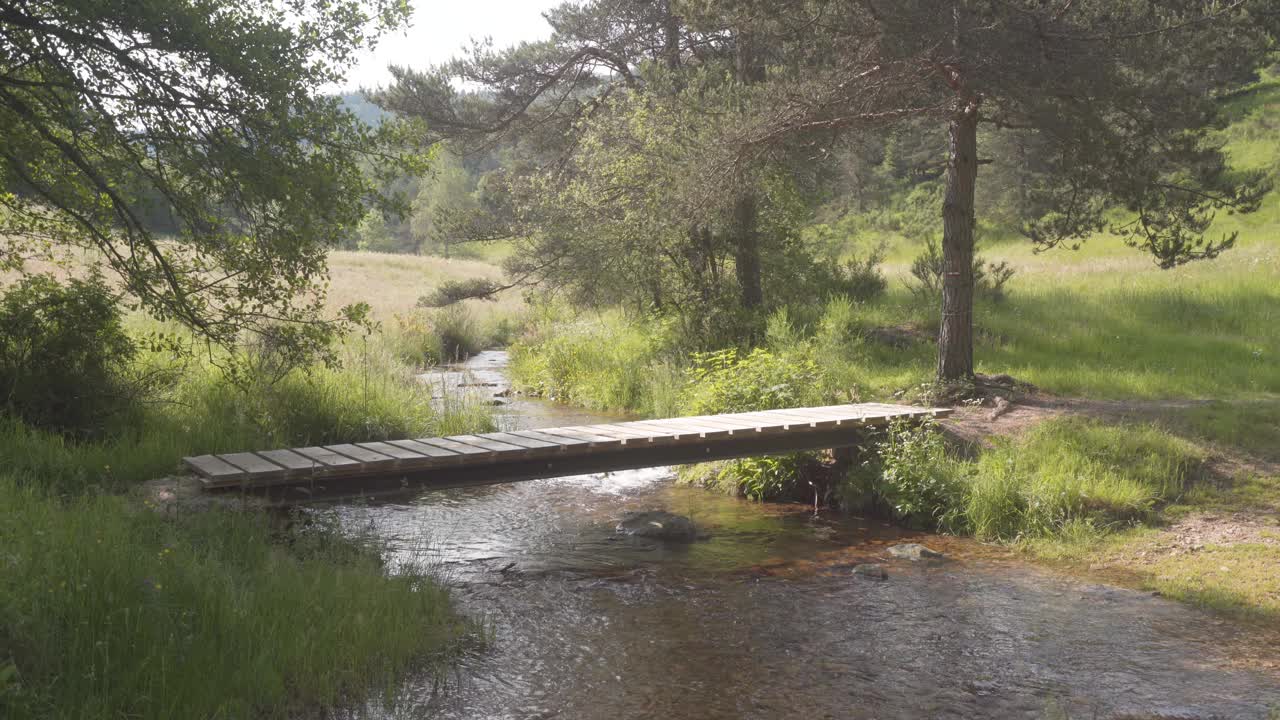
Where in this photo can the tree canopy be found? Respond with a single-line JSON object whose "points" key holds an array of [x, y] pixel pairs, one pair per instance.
{"points": [[206, 120], [1119, 98], [659, 143]]}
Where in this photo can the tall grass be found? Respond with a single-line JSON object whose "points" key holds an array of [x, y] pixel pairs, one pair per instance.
{"points": [[603, 362], [1065, 478], [108, 611], [1070, 474], [370, 396], [1115, 332]]}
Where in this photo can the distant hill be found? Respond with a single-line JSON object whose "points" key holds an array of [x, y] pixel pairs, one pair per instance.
{"points": [[360, 106]]}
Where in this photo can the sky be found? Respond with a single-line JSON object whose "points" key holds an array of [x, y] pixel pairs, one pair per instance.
{"points": [[439, 29]]}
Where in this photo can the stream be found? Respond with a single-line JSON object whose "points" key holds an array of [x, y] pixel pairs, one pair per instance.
{"points": [[766, 620]]}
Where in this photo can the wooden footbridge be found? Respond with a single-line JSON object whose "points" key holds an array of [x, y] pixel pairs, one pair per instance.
{"points": [[498, 457]]}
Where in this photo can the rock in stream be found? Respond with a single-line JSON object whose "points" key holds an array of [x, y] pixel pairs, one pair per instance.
{"points": [[915, 551], [871, 571], [659, 525]]}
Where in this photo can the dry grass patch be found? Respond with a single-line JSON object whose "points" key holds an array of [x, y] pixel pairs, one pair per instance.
{"points": [[392, 283]]}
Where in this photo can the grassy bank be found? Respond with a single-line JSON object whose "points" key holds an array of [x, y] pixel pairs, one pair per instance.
{"points": [[1216, 546], [110, 608], [1103, 493], [1111, 330], [1085, 492], [373, 395]]}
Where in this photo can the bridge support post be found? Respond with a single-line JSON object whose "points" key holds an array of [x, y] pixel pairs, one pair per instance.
{"points": [[844, 458]]}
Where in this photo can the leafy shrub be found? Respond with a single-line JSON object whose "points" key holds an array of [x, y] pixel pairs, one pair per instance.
{"points": [[838, 327], [450, 334], [861, 279], [65, 359], [503, 330], [451, 292], [989, 278], [780, 333], [827, 276], [729, 382], [913, 478], [709, 326], [459, 334], [770, 477]]}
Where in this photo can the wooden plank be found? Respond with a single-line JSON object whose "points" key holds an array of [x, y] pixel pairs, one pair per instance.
{"points": [[290, 460], [369, 459], [254, 466], [678, 430], [765, 421], [839, 416], [561, 440], [735, 425], [881, 409], [874, 414], [405, 458], [854, 411], [581, 433], [525, 442], [423, 449], [573, 447], [329, 460], [616, 430], [800, 418], [460, 448], [214, 467], [487, 444], [664, 430], [731, 419], [683, 425], [628, 436]]}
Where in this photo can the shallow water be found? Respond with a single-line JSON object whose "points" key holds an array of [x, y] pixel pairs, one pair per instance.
{"points": [[765, 619]]}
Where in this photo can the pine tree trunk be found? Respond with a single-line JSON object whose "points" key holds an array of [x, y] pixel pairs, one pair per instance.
{"points": [[746, 236], [746, 232], [670, 37], [955, 337]]}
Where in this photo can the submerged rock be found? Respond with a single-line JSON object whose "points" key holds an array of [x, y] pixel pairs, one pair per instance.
{"points": [[659, 525], [871, 571], [915, 551]]}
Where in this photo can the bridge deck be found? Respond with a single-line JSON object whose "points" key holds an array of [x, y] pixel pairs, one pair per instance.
{"points": [[546, 452]]}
